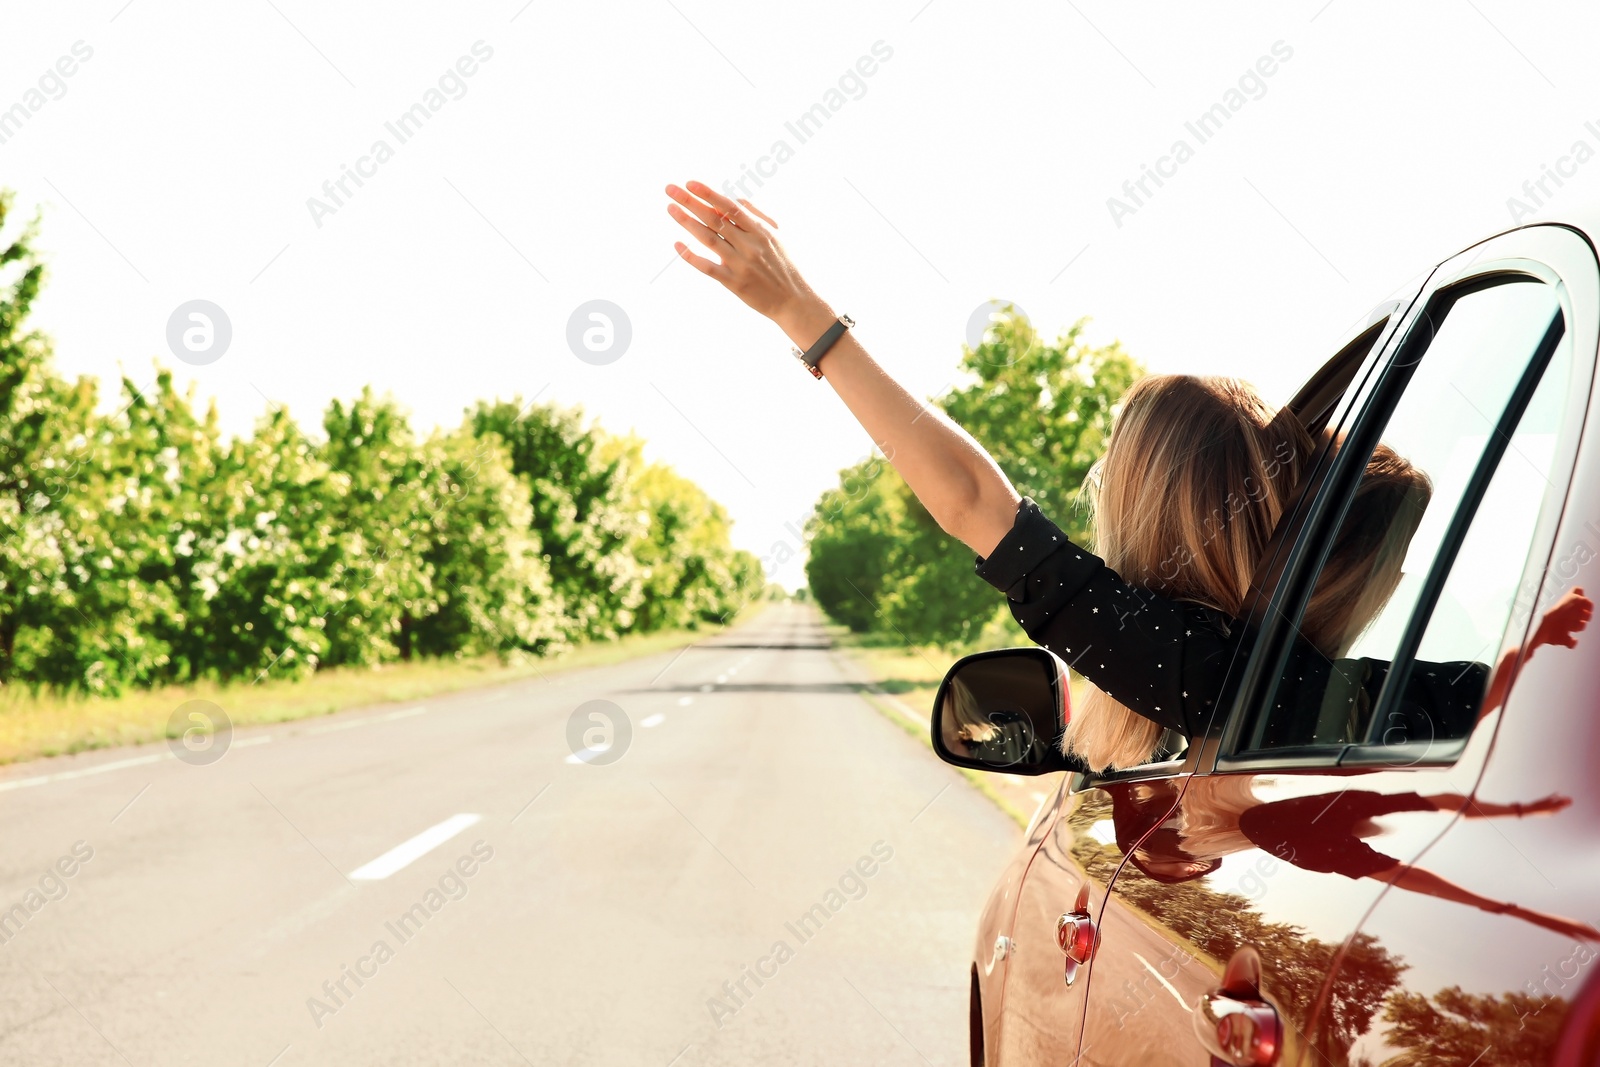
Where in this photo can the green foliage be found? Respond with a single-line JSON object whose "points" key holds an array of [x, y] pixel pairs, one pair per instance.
{"points": [[852, 540], [879, 562], [583, 512], [1043, 410], [139, 548], [632, 546], [261, 587], [689, 577]]}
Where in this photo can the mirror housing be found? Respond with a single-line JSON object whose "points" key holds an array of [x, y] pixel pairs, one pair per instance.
{"points": [[1004, 710]]}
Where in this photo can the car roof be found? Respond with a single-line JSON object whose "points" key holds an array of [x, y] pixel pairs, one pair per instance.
{"points": [[1582, 215]]}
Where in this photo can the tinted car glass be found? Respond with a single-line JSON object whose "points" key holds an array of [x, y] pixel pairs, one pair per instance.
{"points": [[1439, 449]]}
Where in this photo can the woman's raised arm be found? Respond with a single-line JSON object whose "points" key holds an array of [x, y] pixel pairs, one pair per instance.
{"points": [[957, 481]]}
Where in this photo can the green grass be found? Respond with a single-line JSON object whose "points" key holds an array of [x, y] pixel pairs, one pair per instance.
{"points": [[35, 725]]}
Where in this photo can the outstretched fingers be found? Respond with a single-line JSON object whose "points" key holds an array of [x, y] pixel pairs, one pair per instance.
{"points": [[696, 230], [727, 208], [748, 261], [763, 216], [700, 263], [709, 216]]}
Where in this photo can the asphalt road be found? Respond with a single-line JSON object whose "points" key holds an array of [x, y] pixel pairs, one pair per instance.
{"points": [[590, 913]]}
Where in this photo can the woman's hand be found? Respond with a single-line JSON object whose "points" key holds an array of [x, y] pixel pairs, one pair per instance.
{"points": [[753, 265]]}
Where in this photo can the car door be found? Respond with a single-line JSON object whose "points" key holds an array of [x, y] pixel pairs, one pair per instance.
{"points": [[1053, 936], [1340, 758], [1492, 967]]}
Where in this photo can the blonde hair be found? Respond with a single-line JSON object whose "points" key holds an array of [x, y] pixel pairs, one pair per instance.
{"points": [[1193, 480], [1192, 484]]}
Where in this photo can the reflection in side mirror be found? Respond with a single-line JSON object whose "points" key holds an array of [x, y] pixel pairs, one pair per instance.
{"points": [[1004, 710]]}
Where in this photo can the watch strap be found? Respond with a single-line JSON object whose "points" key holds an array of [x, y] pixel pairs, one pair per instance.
{"points": [[812, 356]]}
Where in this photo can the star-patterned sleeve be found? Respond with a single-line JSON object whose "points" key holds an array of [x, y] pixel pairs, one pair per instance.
{"points": [[1162, 658]]}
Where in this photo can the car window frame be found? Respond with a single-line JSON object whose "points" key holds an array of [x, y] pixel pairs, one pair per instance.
{"points": [[1537, 254], [1370, 423], [1352, 362]]}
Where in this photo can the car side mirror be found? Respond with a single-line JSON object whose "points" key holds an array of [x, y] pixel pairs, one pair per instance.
{"points": [[1004, 710]]}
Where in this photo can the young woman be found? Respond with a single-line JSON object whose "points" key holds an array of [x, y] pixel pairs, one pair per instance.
{"points": [[1193, 481]]}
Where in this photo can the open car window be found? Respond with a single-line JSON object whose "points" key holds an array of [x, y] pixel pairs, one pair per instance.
{"points": [[1420, 559], [1321, 405]]}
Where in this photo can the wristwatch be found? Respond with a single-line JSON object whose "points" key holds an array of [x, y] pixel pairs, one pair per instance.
{"points": [[813, 355]]}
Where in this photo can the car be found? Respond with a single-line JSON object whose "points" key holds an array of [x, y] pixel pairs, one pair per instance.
{"points": [[1387, 884]]}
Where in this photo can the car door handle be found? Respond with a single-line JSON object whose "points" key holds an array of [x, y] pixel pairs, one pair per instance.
{"points": [[1077, 935], [1234, 1023]]}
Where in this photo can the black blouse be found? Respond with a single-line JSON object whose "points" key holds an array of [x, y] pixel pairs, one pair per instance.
{"points": [[1164, 659], [1167, 659]]}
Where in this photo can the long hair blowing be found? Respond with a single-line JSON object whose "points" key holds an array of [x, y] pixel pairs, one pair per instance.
{"points": [[1193, 480]]}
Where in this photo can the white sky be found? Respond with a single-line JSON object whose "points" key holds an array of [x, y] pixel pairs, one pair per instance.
{"points": [[178, 163]]}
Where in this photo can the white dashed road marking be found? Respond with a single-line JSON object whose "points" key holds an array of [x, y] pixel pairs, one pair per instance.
{"points": [[408, 852]]}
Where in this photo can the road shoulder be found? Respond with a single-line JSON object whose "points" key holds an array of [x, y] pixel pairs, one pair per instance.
{"points": [[1018, 796], [48, 726]]}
